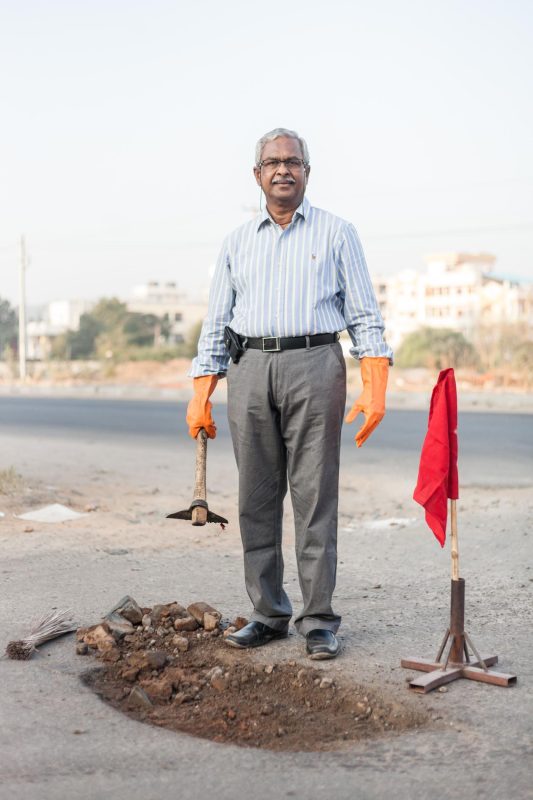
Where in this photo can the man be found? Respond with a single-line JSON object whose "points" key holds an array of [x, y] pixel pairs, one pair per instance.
{"points": [[286, 284]]}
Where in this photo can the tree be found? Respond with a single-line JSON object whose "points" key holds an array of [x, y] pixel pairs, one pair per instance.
{"points": [[436, 348], [80, 343], [140, 329], [8, 326]]}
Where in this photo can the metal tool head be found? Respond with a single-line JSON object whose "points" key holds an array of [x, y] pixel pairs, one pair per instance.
{"points": [[187, 515]]}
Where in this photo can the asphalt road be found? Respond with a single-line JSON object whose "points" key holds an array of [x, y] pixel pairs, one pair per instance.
{"points": [[135, 462], [493, 448]]}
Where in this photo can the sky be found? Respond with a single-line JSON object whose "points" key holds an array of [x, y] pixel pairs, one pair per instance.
{"points": [[128, 131]]}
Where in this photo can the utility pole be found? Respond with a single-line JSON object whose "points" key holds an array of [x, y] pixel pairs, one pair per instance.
{"points": [[22, 311]]}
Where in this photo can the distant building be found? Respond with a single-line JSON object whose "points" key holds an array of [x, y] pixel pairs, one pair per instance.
{"points": [[51, 321], [165, 301], [456, 291]]}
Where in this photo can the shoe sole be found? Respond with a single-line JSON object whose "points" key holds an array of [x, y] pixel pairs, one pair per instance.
{"points": [[322, 656], [256, 644]]}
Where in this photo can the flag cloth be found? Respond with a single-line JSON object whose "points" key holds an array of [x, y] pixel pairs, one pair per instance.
{"points": [[438, 478]]}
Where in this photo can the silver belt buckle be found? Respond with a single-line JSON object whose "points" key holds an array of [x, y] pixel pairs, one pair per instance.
{"points": [[277, 345]]}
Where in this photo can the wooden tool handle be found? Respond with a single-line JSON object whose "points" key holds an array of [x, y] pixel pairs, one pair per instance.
{"points": [[199, 514], [455, 542]]}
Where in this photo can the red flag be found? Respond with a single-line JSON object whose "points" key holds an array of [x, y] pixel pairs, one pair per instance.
{"points": [[438, 479]]}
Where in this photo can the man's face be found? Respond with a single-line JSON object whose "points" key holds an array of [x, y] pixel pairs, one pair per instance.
{"points": [[282, 184]]}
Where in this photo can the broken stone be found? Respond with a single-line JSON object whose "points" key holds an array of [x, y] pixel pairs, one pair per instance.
{"points": [[118, 625], [176, 610], [99, 636], [129, 609], [156, 614], [185, 624], [130, 673], [240, 622], [158, 688], [175, 675], [326, 683], [181, 642], [110, 655], [139, 699], [219, 683], [80, 633], [213, 673], [156, 659], [269, 669], [197, 610], [82, 649], [211, 621], [146, 621], [229, 629]]}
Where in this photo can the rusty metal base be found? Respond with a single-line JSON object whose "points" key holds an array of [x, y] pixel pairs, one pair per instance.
{"points": [[438, 673], [458, 663]]}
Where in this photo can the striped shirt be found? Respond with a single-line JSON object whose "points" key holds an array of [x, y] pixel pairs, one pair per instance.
{"points": [[308, 278]]}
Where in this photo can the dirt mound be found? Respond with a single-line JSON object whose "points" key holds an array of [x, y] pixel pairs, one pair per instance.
{"points": [[191, 681]]}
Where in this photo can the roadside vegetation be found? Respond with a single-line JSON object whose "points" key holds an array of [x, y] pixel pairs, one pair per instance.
{"points": [[112, 335], [10, 481], [112, 332]]}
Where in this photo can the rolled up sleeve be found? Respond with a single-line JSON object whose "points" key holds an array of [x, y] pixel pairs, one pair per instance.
{"points": [[213, 358], [361, 310]]}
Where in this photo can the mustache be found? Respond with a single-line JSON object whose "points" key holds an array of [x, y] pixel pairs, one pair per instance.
{"points": [[285, 180]]}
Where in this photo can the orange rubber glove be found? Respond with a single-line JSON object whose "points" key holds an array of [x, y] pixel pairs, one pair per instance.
{"points": [[199, 408], [374, 373]]}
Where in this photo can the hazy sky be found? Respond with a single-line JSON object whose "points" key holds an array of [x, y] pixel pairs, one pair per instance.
{"points": [[128, 131]]}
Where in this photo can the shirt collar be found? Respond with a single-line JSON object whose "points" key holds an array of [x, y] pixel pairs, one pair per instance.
{"points": [[302, 211]]}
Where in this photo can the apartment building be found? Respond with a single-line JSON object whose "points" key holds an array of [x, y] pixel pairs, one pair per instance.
{"points": [[457, 291]]}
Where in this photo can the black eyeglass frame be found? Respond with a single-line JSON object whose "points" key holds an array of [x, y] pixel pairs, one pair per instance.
{"points": [[288, 162]]}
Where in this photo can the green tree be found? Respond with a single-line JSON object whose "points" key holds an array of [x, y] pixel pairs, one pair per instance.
{"points": [[8, 326], [140, 329], [80, 343], [111, 331], [436, 348]]}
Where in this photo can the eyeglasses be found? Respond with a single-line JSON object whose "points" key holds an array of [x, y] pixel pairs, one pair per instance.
{"points": [[275, 163]]}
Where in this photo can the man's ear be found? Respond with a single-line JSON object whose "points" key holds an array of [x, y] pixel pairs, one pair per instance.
{"points": [[307, 171], [257, 173]]}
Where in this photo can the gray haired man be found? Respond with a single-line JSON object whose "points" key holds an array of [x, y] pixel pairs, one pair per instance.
{"points": [[285, 284]]}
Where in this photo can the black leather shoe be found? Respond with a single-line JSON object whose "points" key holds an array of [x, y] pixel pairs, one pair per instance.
{"points": [[322, 644], [254, 634]]}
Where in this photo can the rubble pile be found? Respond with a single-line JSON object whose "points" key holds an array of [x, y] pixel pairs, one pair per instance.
{"points": [[168, 666]]}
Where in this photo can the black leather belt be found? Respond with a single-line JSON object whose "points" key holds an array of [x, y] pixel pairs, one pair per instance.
{"points": [[273, 344]]}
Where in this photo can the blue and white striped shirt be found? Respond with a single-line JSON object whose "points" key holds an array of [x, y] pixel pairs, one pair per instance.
{"points": [[308, 278]]}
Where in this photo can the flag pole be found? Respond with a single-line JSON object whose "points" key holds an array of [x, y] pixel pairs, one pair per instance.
{"points": [[440, 447], [454, 542]]}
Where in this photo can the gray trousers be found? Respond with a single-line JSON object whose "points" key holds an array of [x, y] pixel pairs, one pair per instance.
{"points": [[285, 412]]}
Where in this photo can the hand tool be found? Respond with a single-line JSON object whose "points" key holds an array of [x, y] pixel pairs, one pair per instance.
{"points": [[198, 511]]}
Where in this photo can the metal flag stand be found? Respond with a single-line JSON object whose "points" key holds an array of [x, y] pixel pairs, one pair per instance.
{"points": [[458, 662]]}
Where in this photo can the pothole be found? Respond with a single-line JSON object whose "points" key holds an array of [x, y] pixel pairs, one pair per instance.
{"points": [[196, 684]]}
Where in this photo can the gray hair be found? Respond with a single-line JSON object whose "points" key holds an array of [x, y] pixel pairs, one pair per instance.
{"points": [[275, 134]]}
